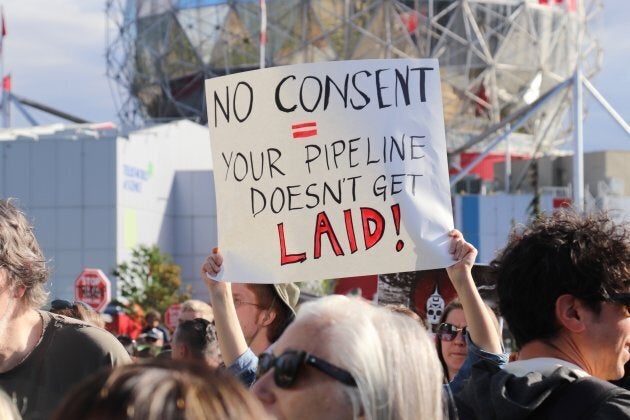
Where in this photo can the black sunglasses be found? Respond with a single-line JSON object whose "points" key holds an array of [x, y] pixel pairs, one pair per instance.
{"points": [[448, 332], [287, 367]]}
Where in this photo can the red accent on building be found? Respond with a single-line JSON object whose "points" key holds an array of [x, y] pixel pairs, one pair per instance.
{"points": [[485, 168], [367, 284]]}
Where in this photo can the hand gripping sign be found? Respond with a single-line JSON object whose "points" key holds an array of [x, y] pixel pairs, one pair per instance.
{"points": [[330, 170]]}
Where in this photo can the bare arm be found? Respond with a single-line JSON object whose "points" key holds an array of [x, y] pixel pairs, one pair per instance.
{"points": [[231, 339], [481, 327]]}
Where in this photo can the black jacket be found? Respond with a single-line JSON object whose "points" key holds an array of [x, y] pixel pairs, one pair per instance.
{"points": [[494, 394]]}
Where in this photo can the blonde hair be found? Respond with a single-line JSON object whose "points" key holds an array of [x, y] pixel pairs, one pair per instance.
{"points": [[194, 305], [390, 356]]}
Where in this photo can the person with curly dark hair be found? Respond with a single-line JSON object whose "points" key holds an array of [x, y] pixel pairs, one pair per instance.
{"points": [[563, 285]]}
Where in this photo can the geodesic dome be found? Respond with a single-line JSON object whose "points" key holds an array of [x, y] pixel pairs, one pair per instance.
{"points": [[496, 56]]}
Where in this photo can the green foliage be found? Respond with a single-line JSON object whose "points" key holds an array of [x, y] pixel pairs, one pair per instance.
{"points": [[150, 279]]}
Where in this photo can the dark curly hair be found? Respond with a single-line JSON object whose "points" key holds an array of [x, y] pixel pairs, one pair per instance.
{"points": [[587, 256]]}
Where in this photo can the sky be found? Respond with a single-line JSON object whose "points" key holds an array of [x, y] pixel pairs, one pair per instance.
{"points": [[55, 53]]}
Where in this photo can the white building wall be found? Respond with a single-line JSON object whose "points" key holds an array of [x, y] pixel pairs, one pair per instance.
{"points": [[166, 195], [63, 182], [89, 212], [494, 217]]}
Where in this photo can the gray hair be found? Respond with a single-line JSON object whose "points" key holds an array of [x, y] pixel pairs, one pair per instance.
{"points": [[390, 356], [8, 409], [21, 255], [194, 305]]}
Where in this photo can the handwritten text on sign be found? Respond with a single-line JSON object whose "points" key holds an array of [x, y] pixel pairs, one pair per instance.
{"points": [[330, 170]]}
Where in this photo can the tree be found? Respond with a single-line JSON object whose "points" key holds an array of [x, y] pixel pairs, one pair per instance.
{"points": [[150, 279]]}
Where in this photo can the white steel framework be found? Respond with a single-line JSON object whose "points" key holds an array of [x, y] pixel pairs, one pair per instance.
{"points": [[496, 56]]}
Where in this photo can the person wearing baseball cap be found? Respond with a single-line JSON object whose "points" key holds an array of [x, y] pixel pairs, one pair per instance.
{"points": [[249, 317]]}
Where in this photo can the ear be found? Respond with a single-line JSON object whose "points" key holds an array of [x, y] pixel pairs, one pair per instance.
{"points": [[18, 292], [570, 313], [269, 317], [182, 351]]}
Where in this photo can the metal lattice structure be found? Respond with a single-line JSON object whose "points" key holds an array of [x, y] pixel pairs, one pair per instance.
{"points": [[496, 56]]}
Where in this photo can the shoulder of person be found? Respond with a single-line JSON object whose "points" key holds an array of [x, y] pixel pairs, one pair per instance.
{"points": [[65, 323], [587, 398], [72, 334], [614, 405]]}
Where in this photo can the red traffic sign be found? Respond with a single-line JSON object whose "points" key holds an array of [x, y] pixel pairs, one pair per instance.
{"points": [[171, 316], [93, 287]]}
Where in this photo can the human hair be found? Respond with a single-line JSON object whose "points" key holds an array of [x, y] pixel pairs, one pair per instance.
{"points": [[200, 337], [77, 310], [94, 318], [21, 255], [160, 389], [454, 304], [153, 315], [583, 255], [390, 356], [195, 305], [404, 310], [270, 301]]}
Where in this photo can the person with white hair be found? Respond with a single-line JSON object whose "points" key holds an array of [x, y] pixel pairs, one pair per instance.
{"points": [[195, 308], [345, 358]]}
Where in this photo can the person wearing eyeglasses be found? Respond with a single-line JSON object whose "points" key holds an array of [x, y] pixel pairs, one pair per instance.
{"points": [[42, 355], [196, 340], [563, 284], [450, 339], [345, 358], [468, 330], [249, 318]]}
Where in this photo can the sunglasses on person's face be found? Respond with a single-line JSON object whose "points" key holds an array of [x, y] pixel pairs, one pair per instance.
{"points": [[287, 367], [448, 332]]}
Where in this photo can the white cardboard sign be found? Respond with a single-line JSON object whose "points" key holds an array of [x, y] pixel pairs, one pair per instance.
{"points": [[330, 170]]}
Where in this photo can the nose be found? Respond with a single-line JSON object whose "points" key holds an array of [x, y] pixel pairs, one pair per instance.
{"points": [[263, 389], [459, 339]]}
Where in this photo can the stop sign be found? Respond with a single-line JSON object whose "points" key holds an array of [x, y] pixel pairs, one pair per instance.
{"points": [[93, 287], [171, 316]]}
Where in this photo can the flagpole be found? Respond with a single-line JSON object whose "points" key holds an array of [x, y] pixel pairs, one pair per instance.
{"points": [[6, 116], [263, 32]]}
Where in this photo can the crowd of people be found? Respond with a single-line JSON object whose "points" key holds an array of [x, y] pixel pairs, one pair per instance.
{"points": [[563, 288]]}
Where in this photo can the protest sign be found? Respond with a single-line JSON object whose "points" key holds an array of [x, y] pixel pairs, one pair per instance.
{"points": [[330, 170]]}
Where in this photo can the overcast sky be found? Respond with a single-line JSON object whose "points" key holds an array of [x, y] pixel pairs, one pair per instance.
{"points": [[55, 52]]}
